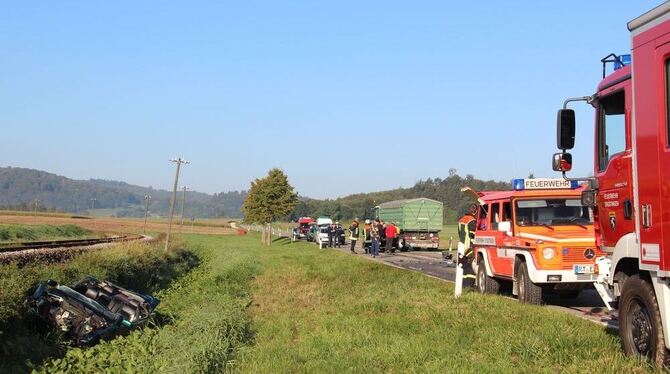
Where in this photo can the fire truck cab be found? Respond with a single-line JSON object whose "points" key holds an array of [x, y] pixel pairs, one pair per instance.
{"points": [[538, 238], [630, 188]]}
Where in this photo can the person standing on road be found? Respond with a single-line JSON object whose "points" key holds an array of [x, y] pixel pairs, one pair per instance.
{"points": [[339, 235], [375, 235], [354, 233], [382, 234], [466, 234], [391, 234], [367, 239], [397, 235], [331, 235]]}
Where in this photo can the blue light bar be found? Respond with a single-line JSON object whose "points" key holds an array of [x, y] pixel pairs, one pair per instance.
{"points": [[625, 60], [520, 184]]}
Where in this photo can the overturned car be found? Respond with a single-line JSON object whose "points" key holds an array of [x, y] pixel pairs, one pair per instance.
{"points": [[90, 309]]}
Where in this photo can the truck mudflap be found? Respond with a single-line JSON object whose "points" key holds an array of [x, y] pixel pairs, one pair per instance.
{"points": [[602, 284]]}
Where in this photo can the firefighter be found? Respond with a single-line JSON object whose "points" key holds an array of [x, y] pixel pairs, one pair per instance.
{"points": [[367, 239], [354, 233], [466, 234]]}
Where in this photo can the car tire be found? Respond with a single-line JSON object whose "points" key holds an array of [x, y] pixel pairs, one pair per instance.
{"points": [[529, 292], [640, 324], [486, 284]]}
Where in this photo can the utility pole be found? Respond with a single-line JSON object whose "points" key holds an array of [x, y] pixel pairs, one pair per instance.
{"points": [[183, 201], [177, 161], [35, 210], [146, 211]]}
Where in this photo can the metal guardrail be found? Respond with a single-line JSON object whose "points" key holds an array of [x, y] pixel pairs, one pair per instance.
{"points": [[276, 231]]}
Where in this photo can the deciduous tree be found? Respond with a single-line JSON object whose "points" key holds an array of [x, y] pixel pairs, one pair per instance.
{"points": [[269, 199]]}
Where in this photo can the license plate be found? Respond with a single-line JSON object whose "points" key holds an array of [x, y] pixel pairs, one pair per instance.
{"points": [[583, 269]]}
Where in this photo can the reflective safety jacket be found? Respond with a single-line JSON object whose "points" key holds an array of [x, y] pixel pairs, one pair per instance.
{"points": [[466, 230]]}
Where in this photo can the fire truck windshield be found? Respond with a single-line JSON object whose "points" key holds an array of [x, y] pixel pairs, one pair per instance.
{"points": [[552, 212]]}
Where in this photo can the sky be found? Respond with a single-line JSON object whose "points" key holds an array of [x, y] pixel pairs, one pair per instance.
{"points": [[344, 96]]}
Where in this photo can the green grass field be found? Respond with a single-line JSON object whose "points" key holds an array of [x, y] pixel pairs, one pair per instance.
{"points": [[39, 214], [25, 233], [296, 308]]}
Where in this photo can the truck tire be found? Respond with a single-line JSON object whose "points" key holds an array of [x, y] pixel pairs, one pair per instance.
{"points": [[640, 325], [486, 284], [529, 292]]}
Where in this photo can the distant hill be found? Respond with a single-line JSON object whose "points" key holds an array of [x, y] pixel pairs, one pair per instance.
{"points": [[447, 190], [20, 187]]}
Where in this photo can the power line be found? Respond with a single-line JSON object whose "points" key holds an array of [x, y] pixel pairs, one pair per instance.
{"points": [[146, 212], [183, 201]]}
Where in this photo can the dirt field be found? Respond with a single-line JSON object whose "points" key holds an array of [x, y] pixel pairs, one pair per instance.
{"points": [[115, 224]]}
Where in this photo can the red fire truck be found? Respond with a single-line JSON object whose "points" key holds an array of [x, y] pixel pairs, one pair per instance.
{"points": [[537, 238], [630, 189]]}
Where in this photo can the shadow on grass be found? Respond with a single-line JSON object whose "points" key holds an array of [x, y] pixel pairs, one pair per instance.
{"points": [[281, 241]]}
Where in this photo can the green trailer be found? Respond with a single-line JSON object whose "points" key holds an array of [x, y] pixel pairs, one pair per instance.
{"points": [[420, 221]]}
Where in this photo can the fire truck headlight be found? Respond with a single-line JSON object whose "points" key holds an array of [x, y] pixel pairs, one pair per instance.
{"points": [[548, 253]]}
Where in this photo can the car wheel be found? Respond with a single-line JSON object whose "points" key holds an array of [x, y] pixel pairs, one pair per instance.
{"points": [[486, 284], [529, 292], [640, 324]]}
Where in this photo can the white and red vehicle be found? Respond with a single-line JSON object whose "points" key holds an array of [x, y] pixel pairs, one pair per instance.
{"points": [[537, 237], [630, 189]]}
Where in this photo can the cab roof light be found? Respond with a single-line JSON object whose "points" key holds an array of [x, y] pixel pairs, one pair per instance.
{"points": [[617, 61]]}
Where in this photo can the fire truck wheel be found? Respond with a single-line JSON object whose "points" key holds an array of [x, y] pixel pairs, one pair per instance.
{"points": [[486, 284], [529, 292], [640, 325]]}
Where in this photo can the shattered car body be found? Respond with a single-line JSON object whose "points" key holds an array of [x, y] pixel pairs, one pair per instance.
{"points": [[90, 309]]}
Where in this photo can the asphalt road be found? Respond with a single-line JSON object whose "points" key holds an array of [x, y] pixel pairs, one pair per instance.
{"points": [[588, 305]]}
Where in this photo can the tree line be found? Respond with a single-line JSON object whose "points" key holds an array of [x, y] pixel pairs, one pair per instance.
{"points": [[272, 199], [447, 190]]}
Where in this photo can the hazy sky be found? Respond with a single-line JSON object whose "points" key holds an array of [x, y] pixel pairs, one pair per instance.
{"points": [[345, 96]]}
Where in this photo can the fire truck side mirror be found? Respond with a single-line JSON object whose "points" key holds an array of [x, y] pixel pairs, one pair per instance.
{"points": [[565, 129], [562, 162]]}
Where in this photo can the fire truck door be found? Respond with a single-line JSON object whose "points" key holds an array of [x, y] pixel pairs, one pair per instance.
{"points": [[664, 163], [614, 164], [651, 72]]}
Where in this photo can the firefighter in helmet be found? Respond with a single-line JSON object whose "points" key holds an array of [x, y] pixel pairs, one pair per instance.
{"points": [[466, 234]]}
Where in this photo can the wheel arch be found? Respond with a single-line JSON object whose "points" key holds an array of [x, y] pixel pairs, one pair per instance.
{"points": [[481, 254]]}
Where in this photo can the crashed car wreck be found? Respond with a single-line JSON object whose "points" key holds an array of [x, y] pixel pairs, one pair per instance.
{"points": [[90, 309]]}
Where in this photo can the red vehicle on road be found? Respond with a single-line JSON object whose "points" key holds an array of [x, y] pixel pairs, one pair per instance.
{"points": [[630, 189], [301, 231]]}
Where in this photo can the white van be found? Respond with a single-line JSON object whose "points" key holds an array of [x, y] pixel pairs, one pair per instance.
{"points": [[321, 237]]}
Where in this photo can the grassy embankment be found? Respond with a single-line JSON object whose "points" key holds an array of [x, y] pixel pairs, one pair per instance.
{"points": [[140, 266], [295, 308], [26, 233]]}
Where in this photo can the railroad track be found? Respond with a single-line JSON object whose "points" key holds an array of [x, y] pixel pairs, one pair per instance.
{"points": [[57, 250], [14, 247]]}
